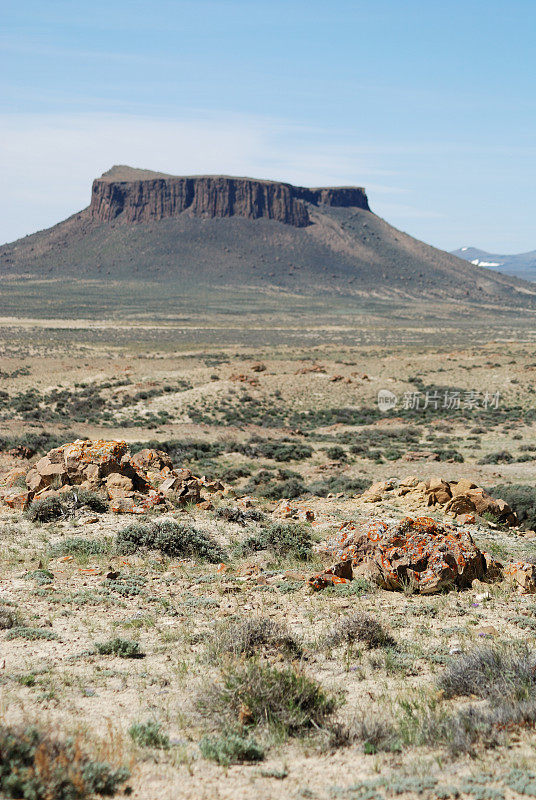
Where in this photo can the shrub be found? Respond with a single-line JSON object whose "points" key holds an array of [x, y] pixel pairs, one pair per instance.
{"points": [[425, 722], [78, 547], [283, 451], [126, 585], [285, 699], [41, 441], [359, 627], [230, 748], [45, 509], [245, 637], [500, 457], [37, 767], [173, 539], [448, 454], [40, 576], [124, 648], [8, 618], [49, 508], [283, 539], [23, 632], [78, 498], [276, 485], [234, 473], [336, 453], [492, 673], [235, 514], [276, 449], [358, 587], [133, 537], [181, 450], [290, 488], [335, 484], [149, 734], [521, 498]]}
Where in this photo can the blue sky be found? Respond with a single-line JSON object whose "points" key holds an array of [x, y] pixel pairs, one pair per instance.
{"points": [[429, 104]]}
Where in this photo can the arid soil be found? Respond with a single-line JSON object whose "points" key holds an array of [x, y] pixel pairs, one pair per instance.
{"points": [[293, 431]]}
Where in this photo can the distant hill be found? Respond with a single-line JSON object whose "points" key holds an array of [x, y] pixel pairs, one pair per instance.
{"points": [[522, 265], [215, 231]]}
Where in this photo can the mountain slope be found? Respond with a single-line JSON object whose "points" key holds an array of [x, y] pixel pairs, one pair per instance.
{"points": [[210, 231], [522, 265]]}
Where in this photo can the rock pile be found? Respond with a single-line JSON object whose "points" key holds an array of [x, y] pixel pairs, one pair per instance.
{"points": [[133, 483], [417, 553], [454, 497]]}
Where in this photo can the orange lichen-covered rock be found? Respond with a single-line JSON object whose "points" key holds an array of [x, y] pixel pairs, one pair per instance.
{"points": [[419, 553], [81, 462], [149, 460], [133, 483], [339, 573], [16, 499]]}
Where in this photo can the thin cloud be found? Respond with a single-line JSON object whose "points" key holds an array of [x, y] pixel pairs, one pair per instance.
{"points": [[50, 161]]}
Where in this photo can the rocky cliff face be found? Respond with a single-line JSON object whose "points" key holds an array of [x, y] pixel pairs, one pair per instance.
{"points": [[142, 200]]}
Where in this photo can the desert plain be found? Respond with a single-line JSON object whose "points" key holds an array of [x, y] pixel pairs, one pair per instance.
{"points": [[278, 412]]}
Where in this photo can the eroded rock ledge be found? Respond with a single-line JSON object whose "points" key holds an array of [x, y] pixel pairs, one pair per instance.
{"points": [[132, 197]]}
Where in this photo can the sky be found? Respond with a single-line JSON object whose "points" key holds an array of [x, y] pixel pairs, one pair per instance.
{"points": [[428, 104]]}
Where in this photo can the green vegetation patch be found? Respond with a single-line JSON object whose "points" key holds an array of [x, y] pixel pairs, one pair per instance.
{"points": [[282, 539], [149, 734], [173, 539], [124, 648], [36, 766], [284, 699], [231, 748], [253, 635]]}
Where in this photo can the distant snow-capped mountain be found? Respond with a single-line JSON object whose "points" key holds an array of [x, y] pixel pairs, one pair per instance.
{"points": [[522, 265]]}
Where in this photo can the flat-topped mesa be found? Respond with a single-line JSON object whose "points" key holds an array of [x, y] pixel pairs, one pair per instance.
{"points": [[139, 196]]}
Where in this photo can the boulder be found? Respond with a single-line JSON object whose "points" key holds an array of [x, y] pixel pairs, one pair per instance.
{"points": [[212, 486], [377, 488], [462, 487], [522, 575], [494, 568], [417, 553], [17, 499], [482, 500], [118, 485], [460, 504], [458, 497], [190, 492], [171, 484], [438, 491], [410, 481], [149, 460], [505, 514], [339, 573]]}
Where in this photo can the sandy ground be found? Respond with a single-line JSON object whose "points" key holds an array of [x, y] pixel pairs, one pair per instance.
{"points": [[63, 683]]}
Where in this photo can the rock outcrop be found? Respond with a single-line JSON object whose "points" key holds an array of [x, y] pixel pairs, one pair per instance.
{"points": [[133, 483], [453, 497], [155, 198], [417, 553]]}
